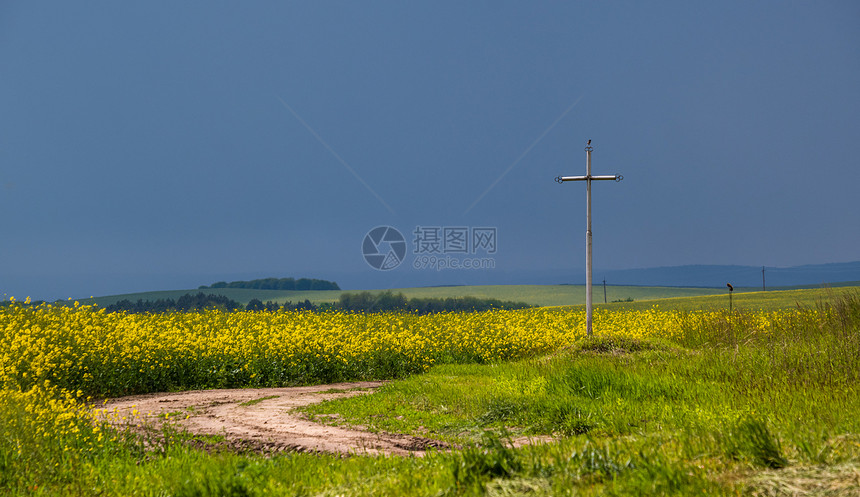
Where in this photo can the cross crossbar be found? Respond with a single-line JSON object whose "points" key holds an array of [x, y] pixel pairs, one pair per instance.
{"points": [[588, 178], [616, 177]]}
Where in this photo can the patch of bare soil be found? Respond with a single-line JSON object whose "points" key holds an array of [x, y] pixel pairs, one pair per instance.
{"points": [[260, 420]]}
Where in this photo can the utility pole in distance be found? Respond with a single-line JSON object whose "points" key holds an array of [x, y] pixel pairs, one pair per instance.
{"points": [[763, 288], [604, 290], [588, 178]]}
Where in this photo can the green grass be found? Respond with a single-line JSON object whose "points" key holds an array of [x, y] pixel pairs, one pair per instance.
{"points": [[611, 389], [727, 402], [743, 299]]}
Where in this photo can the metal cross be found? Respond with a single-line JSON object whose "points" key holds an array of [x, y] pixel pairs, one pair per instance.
{"points": [[588, 178]]}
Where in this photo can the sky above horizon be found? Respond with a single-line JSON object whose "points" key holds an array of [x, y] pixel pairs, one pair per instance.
{"points": [[159, 145]]}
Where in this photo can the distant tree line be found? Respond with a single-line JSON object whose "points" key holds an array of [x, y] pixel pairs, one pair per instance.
{"points": [[349, 302], [258, 305], [301, 284], [191, 303], [185, 303], [388, 301]]}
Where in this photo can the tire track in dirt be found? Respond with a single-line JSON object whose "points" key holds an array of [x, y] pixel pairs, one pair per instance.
{"points": [[261, 419]]}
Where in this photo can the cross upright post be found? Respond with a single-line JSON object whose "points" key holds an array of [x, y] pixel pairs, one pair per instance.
{"points": [[588, 178]]}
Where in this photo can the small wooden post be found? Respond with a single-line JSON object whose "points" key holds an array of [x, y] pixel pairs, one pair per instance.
{"points": [[731, 289]]}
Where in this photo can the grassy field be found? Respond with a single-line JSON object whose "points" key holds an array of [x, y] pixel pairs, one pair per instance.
{"points": [[660, 402], [646, 417], [744, 301], [539, 295]]}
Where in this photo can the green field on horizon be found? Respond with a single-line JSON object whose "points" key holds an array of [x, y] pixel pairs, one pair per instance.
{"points": [[538, 295], [741, 300]]}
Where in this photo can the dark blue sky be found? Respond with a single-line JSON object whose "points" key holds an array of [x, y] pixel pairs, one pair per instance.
{"points": [[151, 145]]}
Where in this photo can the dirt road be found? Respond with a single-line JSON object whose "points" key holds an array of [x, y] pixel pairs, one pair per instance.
{"points": [[262, 419]]}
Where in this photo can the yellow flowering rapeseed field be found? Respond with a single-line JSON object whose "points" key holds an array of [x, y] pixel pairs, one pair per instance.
{"points": [[90, 352], [56, 360]]}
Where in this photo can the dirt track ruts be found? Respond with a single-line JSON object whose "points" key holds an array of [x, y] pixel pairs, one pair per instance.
{"points": [[268, 423]]}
